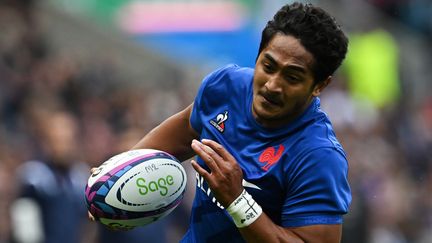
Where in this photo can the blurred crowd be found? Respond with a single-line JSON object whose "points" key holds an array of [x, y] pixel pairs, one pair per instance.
{"points": [[61, 115], [414, 13]]}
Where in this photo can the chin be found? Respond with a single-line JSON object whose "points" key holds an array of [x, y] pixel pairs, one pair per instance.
{"points": [[263, 113]]}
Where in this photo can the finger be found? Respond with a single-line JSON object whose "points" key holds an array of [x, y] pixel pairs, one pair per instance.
{"points": [[200, 170], [214, 154], [207, 155], [93, 169], [219, 149], [90, 216]]}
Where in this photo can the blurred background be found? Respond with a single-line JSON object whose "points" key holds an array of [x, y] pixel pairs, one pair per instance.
{"points": [[83, 80]]}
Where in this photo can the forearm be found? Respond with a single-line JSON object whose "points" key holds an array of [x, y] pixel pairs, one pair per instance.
{"points": [[254, 224], [174, 136], [264, 230]]}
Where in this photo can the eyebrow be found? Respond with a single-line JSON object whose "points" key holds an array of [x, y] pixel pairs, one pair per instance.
{"points": [[270, 58], [292, 67]]}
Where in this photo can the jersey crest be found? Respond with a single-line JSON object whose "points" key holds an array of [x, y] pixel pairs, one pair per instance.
{"points": [[219, 121], [270, 156]]}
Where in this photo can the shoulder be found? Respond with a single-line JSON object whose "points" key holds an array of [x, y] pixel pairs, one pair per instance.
{"points": [[35, 172], [41, 178], [229, 76], [317, 154], [328, 159], [36, 175], [230, 70], [226, 86], [318, 150], [316, 132], [320, 162]]}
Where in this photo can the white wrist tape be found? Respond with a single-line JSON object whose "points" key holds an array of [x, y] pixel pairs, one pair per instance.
{"points": [[244, 210]]}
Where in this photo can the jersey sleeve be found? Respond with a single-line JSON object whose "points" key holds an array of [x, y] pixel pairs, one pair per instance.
{"points": [[211, 81], [318, 191]]}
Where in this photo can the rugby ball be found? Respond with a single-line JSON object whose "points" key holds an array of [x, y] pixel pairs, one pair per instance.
{"points": [[135, 188]]}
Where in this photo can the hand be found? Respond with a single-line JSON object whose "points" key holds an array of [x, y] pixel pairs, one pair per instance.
{"points": [[89, 215], [225, 176]]}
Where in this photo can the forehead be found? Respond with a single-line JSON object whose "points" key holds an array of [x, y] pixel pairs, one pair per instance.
{"points": [[288, 50]]}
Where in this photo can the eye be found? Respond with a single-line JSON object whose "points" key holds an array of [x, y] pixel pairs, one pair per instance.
{"points": [[267, 67], [292, 79]]}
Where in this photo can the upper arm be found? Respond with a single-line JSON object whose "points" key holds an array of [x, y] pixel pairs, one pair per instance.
{"points": [[318, 190], [174, 135]]}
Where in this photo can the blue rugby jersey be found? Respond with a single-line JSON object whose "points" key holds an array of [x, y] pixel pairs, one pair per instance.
{"points": [[297, 173], [59, 196]]}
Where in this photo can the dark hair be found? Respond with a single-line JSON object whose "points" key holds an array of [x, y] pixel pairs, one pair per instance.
{"points": [[317, 31]]}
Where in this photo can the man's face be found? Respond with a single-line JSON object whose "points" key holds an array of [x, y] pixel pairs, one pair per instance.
{"points": [[283, 81], [60, 138]]}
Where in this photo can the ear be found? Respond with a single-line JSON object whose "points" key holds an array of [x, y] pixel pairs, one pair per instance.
{"points": [[321, 86]]}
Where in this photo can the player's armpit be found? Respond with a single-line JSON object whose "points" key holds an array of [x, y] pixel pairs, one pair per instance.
{"points": [[174, 135], [264, 230], [331, 233]]}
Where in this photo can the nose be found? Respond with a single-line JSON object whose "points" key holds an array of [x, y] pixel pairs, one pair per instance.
{"points": [[273, 84]]}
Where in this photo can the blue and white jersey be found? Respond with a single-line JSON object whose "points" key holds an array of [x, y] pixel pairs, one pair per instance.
{"points": [[297, 173]]}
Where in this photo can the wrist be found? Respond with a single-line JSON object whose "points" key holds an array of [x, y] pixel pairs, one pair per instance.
{"points": [[244, 210]]}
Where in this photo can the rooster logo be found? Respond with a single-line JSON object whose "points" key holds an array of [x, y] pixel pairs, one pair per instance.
{"points": [[219, 121], [270, 156]]}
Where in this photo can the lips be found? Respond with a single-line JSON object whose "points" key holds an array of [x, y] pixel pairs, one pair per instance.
{"points": [[272, 99]]}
